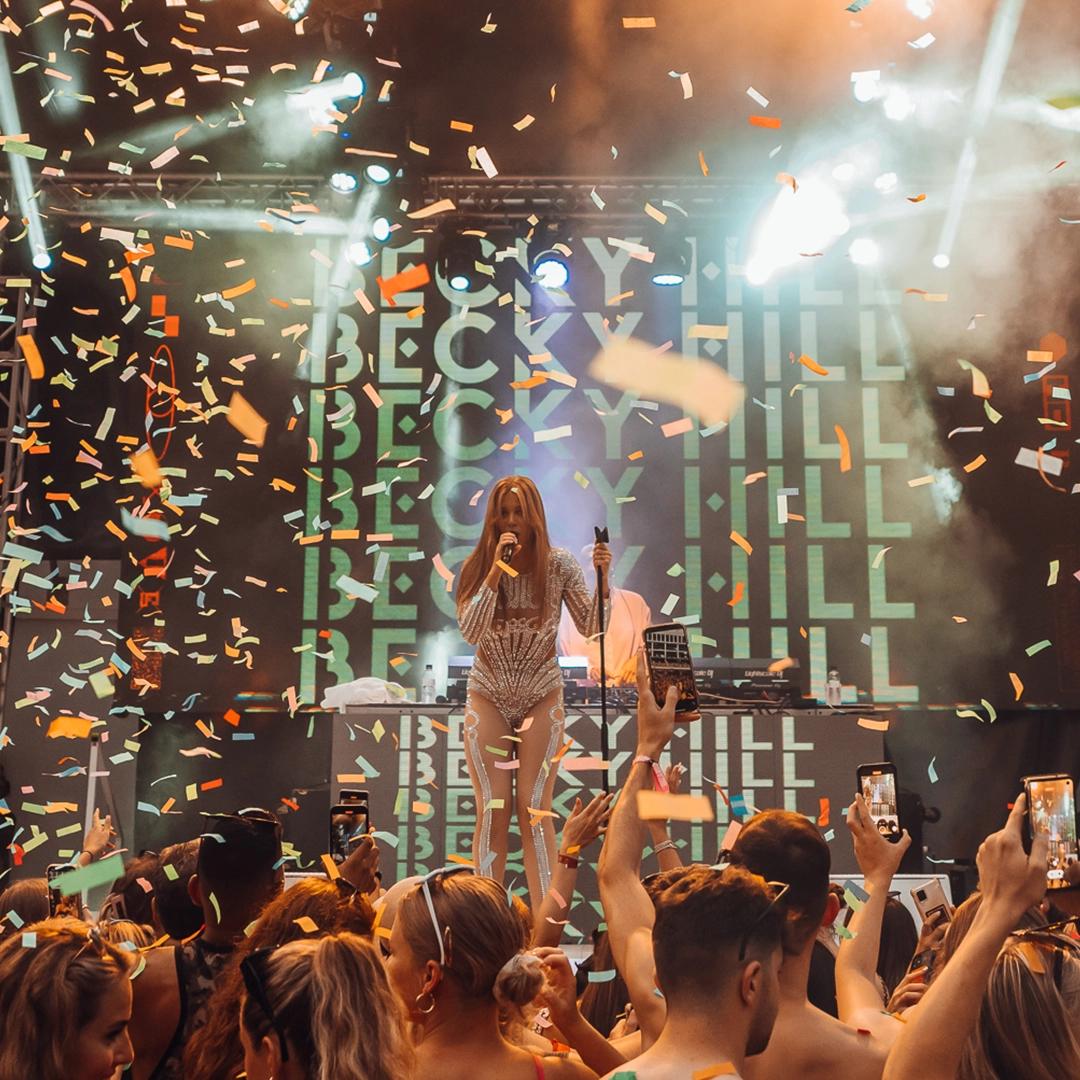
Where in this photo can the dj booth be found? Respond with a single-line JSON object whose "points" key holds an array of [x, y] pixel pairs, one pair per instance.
{"points": [[411, 760]]}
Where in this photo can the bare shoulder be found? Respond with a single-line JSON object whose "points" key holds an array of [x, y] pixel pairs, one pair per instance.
{"points": [[811, 1044], [560, 1068]]}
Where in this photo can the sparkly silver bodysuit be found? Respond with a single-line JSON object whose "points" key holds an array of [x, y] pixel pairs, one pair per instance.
{"points": [[515, 656]]}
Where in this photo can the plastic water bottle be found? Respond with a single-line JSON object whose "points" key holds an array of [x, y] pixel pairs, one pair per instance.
{"points": [[833, 689], [427, 686]]}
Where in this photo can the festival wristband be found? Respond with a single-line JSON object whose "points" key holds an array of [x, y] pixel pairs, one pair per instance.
{"points": [[659, 780]]}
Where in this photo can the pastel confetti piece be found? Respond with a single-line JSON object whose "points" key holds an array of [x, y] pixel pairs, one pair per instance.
{"points": [[663, 806], [931, 772]]}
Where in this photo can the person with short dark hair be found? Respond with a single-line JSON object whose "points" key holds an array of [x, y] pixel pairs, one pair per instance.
{"points": [[806, 1042], [238, 872], [175, 913], [716, 943]]}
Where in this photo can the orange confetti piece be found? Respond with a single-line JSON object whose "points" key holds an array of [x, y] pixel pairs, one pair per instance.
{"points": [[737, 594], [845, 448], [232, 717], [765, 121], [69, 727], [978, 462], [787, 178], [812, 365], [823, 812], [1018, 686], [246, 420], [873, 725], [702, 164], [917, 198], [663, 806], [145, 466], [408, 280], [738, 538], [238, 290], [332, 871], [34, 363]]}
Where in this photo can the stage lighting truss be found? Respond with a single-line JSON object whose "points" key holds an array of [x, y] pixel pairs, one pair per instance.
{"points": [[549, 256], [456, 262]]}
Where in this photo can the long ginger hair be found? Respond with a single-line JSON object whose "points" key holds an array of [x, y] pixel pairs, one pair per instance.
{"points": [[475, 568]]}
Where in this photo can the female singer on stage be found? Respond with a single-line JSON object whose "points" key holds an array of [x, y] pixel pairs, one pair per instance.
{"points": [[514, 699]]}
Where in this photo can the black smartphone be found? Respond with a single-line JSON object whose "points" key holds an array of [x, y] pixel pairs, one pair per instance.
{"points": [[58, 903], [352, 795], [877, 785], [1051, 811], [667, 654], [348, 824]]}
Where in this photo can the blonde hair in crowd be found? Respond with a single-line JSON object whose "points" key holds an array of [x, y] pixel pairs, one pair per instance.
{"points": [[1027, 1024], [486, 938], [332, 999], [50, 992]]}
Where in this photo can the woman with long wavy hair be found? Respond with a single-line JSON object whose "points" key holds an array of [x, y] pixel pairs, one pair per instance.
{"points": [[511, 591], [215, 1052]]}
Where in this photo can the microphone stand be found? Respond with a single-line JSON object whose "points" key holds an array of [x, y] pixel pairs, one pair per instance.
{"points": [[603, 682]]}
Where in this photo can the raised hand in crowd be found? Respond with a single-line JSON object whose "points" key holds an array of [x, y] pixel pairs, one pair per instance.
{"points": [[931, 1042], [98, 840], [858, 997], [580, 829], [559, 995], [362, 865]]}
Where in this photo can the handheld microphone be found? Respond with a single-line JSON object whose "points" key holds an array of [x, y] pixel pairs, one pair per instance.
{"points": [[508, 552]]}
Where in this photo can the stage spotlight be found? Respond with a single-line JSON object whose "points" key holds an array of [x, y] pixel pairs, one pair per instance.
{"points": [[378, 174], [864, 252], [671, 259], [899, 104], [549, 256], [864, 84], [941, 260], [42, 260], [353, 84], [359, 254], [921, 9], [795, 225], [380, 229], [457, 259], [887, 182], [551, 271], [344, 183]]}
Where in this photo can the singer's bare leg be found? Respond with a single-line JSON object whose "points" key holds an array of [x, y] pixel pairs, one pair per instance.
{"points": [[485, 726], [535, 783]]}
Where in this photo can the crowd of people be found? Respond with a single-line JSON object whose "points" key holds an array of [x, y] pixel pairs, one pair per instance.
{"points": [[201, 965]]}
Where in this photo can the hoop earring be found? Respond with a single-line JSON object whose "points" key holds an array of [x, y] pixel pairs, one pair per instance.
{"points": [[431, 1008]]}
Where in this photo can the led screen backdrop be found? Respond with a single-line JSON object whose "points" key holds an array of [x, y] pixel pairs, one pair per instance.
{"points": [[311, 560]]}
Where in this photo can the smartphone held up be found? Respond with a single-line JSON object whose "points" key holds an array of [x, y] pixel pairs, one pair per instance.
{"points": [[667, 654], [349, 824], [877, 785], [1051, 812]]}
